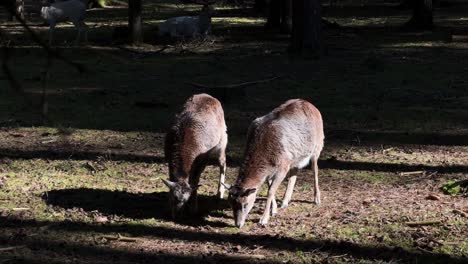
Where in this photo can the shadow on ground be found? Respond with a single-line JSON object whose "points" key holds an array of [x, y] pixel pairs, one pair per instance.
{"points": [[131, 205], [367, 252]]}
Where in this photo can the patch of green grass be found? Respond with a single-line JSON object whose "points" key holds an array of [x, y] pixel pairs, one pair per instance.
{"points": [[455, 187]]}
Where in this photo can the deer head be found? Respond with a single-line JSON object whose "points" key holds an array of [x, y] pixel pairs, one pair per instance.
{"points": [[179, 194], [242, 201]]}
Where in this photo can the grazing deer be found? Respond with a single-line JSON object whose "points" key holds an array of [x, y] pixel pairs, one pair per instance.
{"points": [[189, 26], [197, 137], [282, 141], [71, 10]]}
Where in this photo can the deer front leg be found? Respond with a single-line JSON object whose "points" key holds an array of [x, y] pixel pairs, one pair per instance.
{"points": [[274, 205], [289, 191], [271, 195]]}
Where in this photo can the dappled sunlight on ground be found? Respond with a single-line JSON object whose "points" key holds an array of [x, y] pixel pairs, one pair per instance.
{"points": [[85, 186]]}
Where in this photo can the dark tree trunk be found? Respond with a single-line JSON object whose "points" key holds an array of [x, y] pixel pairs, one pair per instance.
{"points": [[260, 6], [11, 7], [286, 16], [306, 33], [422, 15], [134, 21], [274, 14]]}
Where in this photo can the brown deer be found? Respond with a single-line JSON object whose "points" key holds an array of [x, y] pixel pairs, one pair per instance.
{"points": [[282, 141], [197, 137]]}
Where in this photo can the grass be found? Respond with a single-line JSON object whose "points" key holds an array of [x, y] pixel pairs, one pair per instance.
{"points": [[391, 101]]}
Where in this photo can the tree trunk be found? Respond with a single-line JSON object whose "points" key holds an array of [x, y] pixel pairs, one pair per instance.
{"points": [[11, 7], [422, 15], [260, 6], [286, 16], [134, 21], [306, 33], [274, 14]]}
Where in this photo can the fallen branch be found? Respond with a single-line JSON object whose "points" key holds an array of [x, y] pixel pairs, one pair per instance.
{"points": [[144, 53], [407, 173], [15, 209], [424, 223], [460, 212], [246, 256], [20, 209], [244, 84], [120, 238], [11, 248]]}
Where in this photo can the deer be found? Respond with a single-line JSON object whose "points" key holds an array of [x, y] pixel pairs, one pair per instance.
{"points": [[189, 26], [278, 144], [61, 11], [198, 137]]}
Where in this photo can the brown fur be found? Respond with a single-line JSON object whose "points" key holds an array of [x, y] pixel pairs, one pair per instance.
{"points": [[283, 140], [197, 136]]}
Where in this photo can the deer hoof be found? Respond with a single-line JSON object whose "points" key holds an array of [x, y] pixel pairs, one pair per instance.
{"points": [[263, 221]]}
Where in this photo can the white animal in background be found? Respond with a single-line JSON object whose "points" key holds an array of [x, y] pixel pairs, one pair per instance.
{"points": [[71, 10], [189, 26], [278, 144]]}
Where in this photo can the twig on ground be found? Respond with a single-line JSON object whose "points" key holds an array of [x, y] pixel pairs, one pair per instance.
{"points": [[142, 53], [244, 84], [16, 209], [407, 173], [460, 212], [424, 223], [20, 209], [247, 256], [11, 248], [120, 238]]}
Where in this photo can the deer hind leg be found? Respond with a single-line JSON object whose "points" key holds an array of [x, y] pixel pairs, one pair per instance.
{"points": [[222, 175], [316, 184], [274, 205], [51, 34], [290, 189], [276, 181], [85, 29]]}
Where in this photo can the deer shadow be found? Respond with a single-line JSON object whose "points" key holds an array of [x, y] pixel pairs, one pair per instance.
{"points": [[134, 205]]}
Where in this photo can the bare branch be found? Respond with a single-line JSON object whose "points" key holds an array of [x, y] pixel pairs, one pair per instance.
{"points": [[244, 84]]}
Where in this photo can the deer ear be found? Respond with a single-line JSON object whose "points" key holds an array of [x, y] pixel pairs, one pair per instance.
{"points": [[249, 191], [169, 184]]}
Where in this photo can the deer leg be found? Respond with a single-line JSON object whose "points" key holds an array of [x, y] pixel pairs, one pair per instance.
{"points": [[78, 27], [316, 184], [274, 205], [194, 180], [51, 34], [85, 28], [222, 177], [276, 181], [289, 191]]}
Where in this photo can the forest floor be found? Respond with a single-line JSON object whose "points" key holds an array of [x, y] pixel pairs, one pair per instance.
{"points": [[395, 107]]}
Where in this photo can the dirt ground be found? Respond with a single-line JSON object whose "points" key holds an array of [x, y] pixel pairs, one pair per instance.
{"points": [[85, 185]]}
